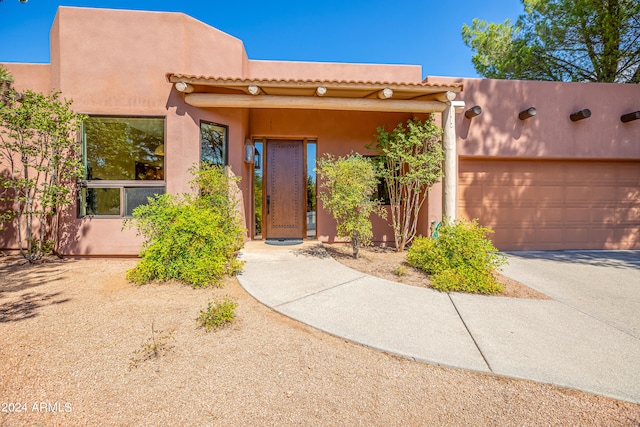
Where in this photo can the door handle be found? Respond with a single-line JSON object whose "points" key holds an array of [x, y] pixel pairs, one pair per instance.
{"points": [[268, 203]]}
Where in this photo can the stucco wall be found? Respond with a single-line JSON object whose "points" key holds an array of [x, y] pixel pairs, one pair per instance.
{"points": [[334, 71], [35, 77], [498, 132]]}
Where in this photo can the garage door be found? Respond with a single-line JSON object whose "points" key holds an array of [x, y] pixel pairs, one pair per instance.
{"points": [[547, 205]]}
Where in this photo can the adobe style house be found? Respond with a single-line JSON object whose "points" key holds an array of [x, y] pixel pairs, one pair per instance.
{"points": [[165, 91]]}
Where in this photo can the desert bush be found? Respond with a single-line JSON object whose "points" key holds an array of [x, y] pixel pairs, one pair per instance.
{"points": [[193, 238], [462, 258], [217, 314], [347, 185]]}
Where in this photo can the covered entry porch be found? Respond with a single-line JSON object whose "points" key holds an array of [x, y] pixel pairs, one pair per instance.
{"points": [[289, 123]]}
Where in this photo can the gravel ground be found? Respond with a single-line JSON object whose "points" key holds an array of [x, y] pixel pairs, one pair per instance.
{"points": [[387, 263], [72, 341]]}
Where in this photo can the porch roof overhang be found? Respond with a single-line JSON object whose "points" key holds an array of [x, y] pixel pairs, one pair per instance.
{"points": [[205, 92]]}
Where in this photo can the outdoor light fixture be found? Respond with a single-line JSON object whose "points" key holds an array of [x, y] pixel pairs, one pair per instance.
{"points": [[630, 117], [321, 91], [473, 112], [528, 113], [580, 115], [249, 153], [253, 89]]}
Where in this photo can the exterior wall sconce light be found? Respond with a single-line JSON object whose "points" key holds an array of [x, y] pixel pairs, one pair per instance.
{"points": [[580, 115], [528, 113], [249, 152], [473, 112], [626, 118]]}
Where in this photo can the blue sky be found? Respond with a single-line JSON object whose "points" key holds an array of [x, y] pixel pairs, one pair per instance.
{"points": [[425, 33]]}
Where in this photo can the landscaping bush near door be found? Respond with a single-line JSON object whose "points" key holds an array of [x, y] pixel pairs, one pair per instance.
{"points": [[462, 258], [347, 186], [193, 238]]}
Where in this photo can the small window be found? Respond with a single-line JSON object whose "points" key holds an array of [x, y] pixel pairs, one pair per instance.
{"points": [[382, 190], [213, 143], [124, 164], [312, 150]]}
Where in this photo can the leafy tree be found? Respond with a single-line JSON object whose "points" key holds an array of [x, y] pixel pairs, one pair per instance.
{"points": [[347, 184], [410, 162], [39, 147], [561, 40], [5, 84]]}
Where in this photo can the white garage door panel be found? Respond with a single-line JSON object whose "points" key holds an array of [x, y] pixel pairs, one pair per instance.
{"points": [[553, 204]]}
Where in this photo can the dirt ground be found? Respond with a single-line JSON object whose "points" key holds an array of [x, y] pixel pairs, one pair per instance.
{"points": [[387, 263], [73, 337]]}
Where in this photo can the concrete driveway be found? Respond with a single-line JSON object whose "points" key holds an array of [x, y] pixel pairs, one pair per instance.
{"points": [[602, 284]]}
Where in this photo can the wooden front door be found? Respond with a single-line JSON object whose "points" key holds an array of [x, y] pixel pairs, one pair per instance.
{"points": [[285, 190]]}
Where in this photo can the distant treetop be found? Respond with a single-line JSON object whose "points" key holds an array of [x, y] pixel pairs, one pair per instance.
{"points": [[561, 40]]}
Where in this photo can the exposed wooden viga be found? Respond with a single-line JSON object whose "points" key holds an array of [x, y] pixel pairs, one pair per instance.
{"points": [[219, 100]]}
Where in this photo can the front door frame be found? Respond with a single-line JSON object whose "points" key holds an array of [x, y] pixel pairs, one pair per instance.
{"points": [[265, 176]]}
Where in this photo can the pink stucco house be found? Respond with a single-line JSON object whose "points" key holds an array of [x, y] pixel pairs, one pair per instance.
{"points": [[164, 91]]}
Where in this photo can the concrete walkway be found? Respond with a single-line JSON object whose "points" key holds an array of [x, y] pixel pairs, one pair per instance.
{"points": [[586, 338]]}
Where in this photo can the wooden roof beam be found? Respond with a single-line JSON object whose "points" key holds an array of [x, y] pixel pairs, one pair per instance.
{"points": [[219, 100], [442, 97], [385, 93]]}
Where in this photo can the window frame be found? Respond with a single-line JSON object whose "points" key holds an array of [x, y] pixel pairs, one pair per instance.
{"points": [[225, 160], [122, 185]]}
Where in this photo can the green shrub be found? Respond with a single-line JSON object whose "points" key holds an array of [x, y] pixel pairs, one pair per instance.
{"points": [[400, 271], [347, 185], [462, 258], [193, 238], [217, 314]]}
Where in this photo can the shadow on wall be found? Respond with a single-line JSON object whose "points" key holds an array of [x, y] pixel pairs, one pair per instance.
{"points": [[498, 131], [613, 259], [175, 99], [71, 231], [8, 236]]}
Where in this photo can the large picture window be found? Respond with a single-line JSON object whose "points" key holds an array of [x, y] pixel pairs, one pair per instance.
{"points": [[213, 143], [124, 164]]}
